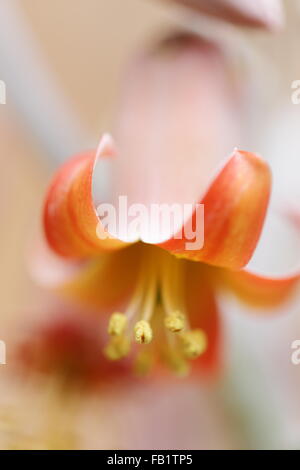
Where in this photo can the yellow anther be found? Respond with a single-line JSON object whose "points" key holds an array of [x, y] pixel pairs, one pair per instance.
{"points": [[117, 348], [194, 343], [117, 324], [143, 332], [175, 322]]}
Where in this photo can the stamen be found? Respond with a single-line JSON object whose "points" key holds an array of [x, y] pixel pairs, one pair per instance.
{"points": [[175, 322], [147, 308], [117, 348], [172, 282], [143, 300], [117, 324], [194, 343], [143, 332], [136, 300]]}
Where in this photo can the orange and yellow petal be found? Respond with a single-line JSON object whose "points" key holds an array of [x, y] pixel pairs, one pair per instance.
{"points": [[103, 284], [107, 282], [259, 291], [235, 206], [203, 314], [71, 223]]}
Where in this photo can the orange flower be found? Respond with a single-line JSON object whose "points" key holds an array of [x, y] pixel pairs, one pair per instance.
{"points": [[257, 13], [176, 122]]}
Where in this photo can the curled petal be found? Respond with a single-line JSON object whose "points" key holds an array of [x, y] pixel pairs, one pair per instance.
{"points": [[234, 210], [274, 271], [260, 291], [70, 220], [255, 13]]}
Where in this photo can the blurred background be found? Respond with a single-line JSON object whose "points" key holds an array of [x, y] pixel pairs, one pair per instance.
{"points": [[61, 62]]}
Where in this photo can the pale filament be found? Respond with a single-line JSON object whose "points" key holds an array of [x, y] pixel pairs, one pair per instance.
{"points": [[172, 282], [143, 301]]}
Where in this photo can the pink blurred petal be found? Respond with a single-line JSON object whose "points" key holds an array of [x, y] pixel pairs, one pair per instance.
{"points": [[178, 120], [254, 13], [49, 269]]}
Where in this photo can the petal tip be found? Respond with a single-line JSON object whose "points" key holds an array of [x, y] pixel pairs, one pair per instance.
{"points": [[106, 146], [255, 160]]}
